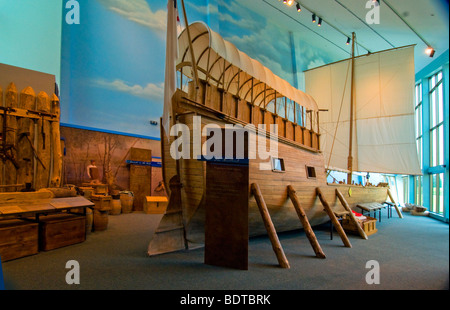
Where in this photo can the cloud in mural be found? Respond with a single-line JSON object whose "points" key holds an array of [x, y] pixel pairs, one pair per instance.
{"points": [[211, 9], [140, 12], [259, 47], [239, 17], [251, 34], [150, 91], [316, 63]]}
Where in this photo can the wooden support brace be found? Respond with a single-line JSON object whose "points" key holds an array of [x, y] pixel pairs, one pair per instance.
{"points": [[305, 223], [391, 197], [333, 218], [276, 245], [344, 203]]}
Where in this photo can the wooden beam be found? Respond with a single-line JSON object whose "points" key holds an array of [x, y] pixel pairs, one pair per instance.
{"points": [[333, 218], [352, 108], [391, 197], [305, 223], [351, 215], [276, 245], [191, 49]]}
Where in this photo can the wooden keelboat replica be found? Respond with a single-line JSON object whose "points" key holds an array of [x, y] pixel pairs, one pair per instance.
{"points": [[220, 86]]}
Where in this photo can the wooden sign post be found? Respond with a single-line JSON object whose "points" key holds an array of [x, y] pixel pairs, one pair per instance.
{"points": [[226, 226], [140, 177]]}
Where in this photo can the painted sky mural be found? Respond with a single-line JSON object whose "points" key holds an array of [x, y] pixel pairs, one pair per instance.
{"points": [[112, 75]]}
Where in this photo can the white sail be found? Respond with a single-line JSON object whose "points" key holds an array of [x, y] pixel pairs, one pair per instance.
{"points": [[383, 140]]}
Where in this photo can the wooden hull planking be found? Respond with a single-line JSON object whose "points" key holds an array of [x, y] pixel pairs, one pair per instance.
{"points": [[273, 185]]}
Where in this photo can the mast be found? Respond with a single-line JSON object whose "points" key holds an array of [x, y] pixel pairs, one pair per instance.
{"points": [[194, 62], [352, 105]]}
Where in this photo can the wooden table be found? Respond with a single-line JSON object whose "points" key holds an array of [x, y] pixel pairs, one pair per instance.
{"points": [[44, 207], [371, 206], [24, 233]]}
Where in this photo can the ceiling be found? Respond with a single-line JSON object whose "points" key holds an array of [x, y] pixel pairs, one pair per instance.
{"points": [[402, 22]]}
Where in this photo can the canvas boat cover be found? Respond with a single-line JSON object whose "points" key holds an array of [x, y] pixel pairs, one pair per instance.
{"points": [[221, 63]]}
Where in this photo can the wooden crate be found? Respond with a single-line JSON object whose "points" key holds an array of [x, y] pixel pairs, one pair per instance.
{"points": [[98, 188], [57, 231], [102, 203], [155, 204], [140, 185], [137, 154], [368, 225], [18, 239]]}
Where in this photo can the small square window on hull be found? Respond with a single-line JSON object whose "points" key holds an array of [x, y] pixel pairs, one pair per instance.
{"points": [[278, 164], [311, 172]]}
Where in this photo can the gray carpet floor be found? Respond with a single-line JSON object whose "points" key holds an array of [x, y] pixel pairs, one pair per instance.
{"points": [[413, 254]]}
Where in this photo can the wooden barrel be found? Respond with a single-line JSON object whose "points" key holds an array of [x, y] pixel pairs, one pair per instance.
{"points": [[100, 220], [89, 220], [126, 200], [116, 207]]}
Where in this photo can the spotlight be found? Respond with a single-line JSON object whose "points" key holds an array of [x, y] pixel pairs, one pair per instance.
{"points": [[314, 18], [290, 2], [320, 22], [430, 51], [299, 9], [348, 41]]}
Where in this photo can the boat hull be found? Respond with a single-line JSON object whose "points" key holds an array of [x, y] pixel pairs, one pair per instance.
{"points": [[297, 160]]}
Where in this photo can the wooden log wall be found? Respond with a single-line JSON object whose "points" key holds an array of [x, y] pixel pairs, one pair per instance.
{"points": [[30, 149]]}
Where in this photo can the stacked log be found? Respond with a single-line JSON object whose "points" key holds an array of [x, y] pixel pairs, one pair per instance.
{"points": [[56, 176], [10, 128], [30, 149], [26, 139], [43, 141]]}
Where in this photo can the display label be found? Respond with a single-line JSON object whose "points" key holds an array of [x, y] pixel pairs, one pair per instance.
{"points": [[155, 164]]}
